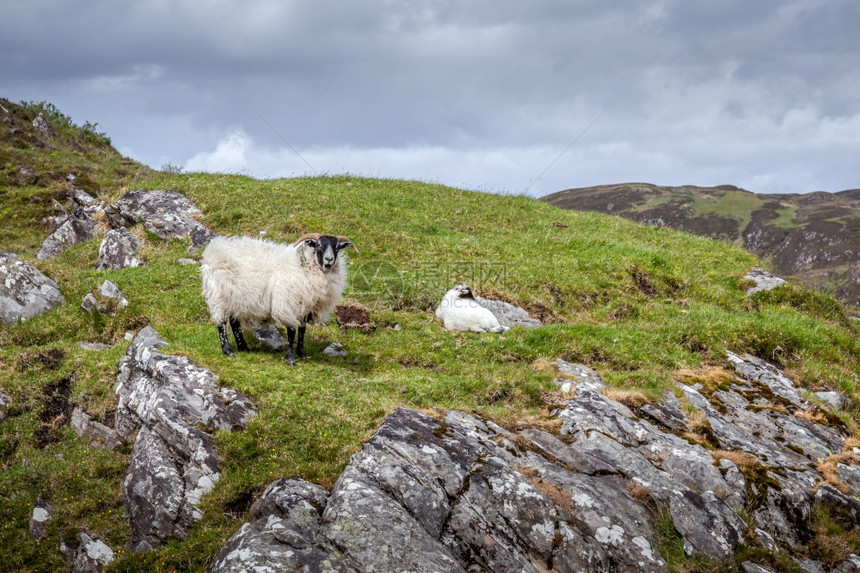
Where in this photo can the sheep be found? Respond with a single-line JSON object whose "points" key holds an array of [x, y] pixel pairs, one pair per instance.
{"points": [[460, 311], [256, 282]]}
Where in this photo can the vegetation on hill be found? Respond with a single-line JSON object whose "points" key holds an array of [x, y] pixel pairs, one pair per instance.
{"points": [[814, 237], [641, 305]]}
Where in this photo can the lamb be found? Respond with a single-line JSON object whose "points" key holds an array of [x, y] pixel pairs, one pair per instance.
{"points": [[256, 282], [460, 311]]}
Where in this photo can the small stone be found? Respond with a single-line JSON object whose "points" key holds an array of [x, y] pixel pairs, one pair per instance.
{"points": [[188, 262], [270, 336], [93, 346], [335, 349], [42, 514], [98, 434], [5, 400], [117, 250], [92, 555]]}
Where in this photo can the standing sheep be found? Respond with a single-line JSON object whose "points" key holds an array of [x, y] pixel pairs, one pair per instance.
{"points": [[252, 281], [460, 311]]}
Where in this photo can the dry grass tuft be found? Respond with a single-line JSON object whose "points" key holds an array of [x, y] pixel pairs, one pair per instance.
{"points": [[641, 493], [711, 378], [630, 398]]}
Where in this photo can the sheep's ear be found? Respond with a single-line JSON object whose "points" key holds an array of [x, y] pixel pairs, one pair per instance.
{"points": [[345, 243]]}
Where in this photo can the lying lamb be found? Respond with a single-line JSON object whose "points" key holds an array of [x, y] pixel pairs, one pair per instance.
{"points": [[460, 311], [252, 281]]}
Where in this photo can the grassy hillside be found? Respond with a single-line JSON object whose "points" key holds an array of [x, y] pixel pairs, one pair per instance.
{"points": [[638, 304], [35, 169], [814, 237]]}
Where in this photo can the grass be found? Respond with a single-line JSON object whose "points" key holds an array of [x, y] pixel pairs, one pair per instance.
{"points": [[636, 303]]}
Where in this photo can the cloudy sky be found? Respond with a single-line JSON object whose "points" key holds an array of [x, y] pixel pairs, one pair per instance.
{"points": [[497, 95]]}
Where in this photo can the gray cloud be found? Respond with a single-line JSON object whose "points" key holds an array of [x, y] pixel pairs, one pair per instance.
{"points": [[482, 94]]}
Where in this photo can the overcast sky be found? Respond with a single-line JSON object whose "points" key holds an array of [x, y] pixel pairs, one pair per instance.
{"points": [[494, 95]]}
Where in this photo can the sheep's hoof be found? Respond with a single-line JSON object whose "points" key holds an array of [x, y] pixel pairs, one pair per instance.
{"points": [[291, 361], [230, 354]]}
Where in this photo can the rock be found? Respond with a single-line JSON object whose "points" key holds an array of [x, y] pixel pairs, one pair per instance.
{"points": [[5, 400], [92, 555], [168, 214], [285, 525], [335, 349], [93, 346], [178, 406], [763, 280], [24, 291], [82, 198], [109, 302], [508, 314], [77, 228], [750, 567], [43, 126], [188, 262], [766, 540], [270, 336], [847, 507], [98, 434], [580, 373], [43, 511], [834, 400], [850, 565], [117, 250]]}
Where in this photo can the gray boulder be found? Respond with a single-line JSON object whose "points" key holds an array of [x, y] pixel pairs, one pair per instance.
{"points": [[117, 250], [168, 214], [763, 280], [24, 291], [177, 406], [77, 228]]}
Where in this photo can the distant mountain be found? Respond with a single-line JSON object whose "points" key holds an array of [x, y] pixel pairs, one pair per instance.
{"points": [[814, 237]]}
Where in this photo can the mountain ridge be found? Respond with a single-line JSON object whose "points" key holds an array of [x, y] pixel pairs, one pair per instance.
{"points": [[814, 237]]}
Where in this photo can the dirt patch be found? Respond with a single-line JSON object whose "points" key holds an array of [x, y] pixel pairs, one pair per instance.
{"points": [[49, 360], [644, 283], [56, 411], [353, 316]]}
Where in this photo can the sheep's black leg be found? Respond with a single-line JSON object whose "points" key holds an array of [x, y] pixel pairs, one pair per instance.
{"points": [[291, 337], [222, 336], [300, 343], [236, 327]]}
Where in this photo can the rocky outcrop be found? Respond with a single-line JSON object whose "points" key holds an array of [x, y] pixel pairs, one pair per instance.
{"points": [[175, 406], [117, 250], [457, 493], [24, 291], [168, 214]]}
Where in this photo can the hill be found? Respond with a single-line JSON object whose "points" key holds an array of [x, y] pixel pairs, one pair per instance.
{"points": [[642, 306], [814, 237]]}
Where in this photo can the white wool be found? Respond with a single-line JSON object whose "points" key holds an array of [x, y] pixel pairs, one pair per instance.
{"points": [[464, 314], [259, 281]]}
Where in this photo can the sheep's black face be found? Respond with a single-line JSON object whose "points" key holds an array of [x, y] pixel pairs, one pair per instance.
{"points": [[326, 249], [464, 291]]}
